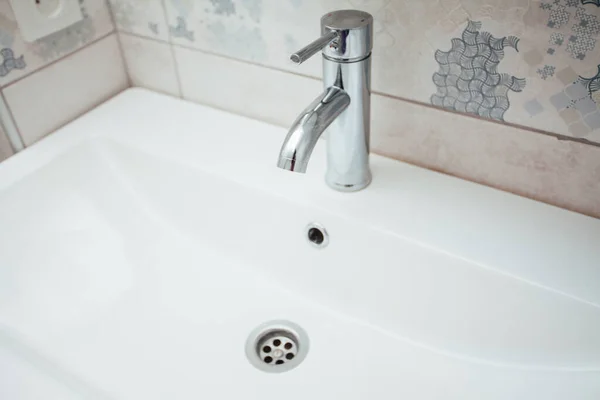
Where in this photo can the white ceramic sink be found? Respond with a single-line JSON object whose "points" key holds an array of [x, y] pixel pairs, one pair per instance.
{"points": [[141, 244]]}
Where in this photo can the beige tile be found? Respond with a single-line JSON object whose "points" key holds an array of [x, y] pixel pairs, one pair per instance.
{"points": [[533, 57], [6, 149], [266, 94], [579, 129], [569, 115], [145, 18], [594, 136], [567, 76], [55, 95], [563, 173], [150, 64], [97, 24]]}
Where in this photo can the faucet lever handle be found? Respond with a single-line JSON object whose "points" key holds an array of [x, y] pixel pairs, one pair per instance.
{"points": [[307, 52]]}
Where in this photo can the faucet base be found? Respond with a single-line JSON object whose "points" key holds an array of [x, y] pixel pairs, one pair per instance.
{"points": [[352, 187], [348, 135]]}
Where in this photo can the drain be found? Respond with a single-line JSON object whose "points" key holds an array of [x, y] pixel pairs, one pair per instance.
{"points": [[277, 346], [317, 235]]}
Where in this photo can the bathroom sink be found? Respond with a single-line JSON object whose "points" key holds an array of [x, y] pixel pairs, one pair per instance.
{"points": [[141, 244]]}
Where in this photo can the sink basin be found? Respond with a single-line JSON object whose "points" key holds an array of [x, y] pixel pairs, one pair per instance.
{"points": [[142, 243]]}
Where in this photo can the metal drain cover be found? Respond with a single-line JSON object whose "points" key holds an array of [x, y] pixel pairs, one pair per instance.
{"points": [[277, 346]]}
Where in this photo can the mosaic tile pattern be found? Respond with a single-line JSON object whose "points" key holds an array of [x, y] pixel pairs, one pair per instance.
{"points": [[468, 79], [557, 37], [559, 16], [592, 84], [546, 72], [53, 46], [181, 31], [223, 7], [579, 105], [585, 32], [144, 18], [230, 27], [9, 62], [20, 58], [584, 26]]}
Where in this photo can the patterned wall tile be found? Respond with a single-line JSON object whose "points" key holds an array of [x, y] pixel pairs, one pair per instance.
{"points": [[246, 91], [259, 31], [20, 58], [468, 79], [533, 57], [252, 30], [567, 76], [150, 64], [578, 107], [144, 18], [533, 107], [546, 72], [81, 80], [558, 44], [10, 62]]}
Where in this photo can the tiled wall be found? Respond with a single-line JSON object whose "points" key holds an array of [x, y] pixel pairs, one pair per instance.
{"points": [[47, 83], [6, 149], [532, 63], [529, 67], [518, 62]]}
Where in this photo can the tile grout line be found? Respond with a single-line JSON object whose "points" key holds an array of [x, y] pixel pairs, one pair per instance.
{"points": [[172, 49], [218, 55], [51, 63], [10, 126], [116, 30], [558, 136]]}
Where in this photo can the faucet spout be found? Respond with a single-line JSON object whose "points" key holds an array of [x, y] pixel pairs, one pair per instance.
{"points": [[308, 127]]}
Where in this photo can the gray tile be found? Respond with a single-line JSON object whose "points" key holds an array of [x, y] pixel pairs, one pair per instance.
{"points": [[576, 90], [593, 120], [579, 129], [569, 115], [533, 107], [586, 106], [560, 100]]}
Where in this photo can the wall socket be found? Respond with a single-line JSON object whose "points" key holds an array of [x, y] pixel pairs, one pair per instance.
{"points": [[39, 18]]}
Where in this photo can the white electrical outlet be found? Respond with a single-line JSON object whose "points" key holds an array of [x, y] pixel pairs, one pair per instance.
{"points": [[39, 18]]}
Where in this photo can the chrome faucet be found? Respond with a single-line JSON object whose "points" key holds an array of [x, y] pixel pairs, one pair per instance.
{"points": [[344, 107]]}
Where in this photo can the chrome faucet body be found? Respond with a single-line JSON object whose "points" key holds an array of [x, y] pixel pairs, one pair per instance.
{"points": [[343, 109]]}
